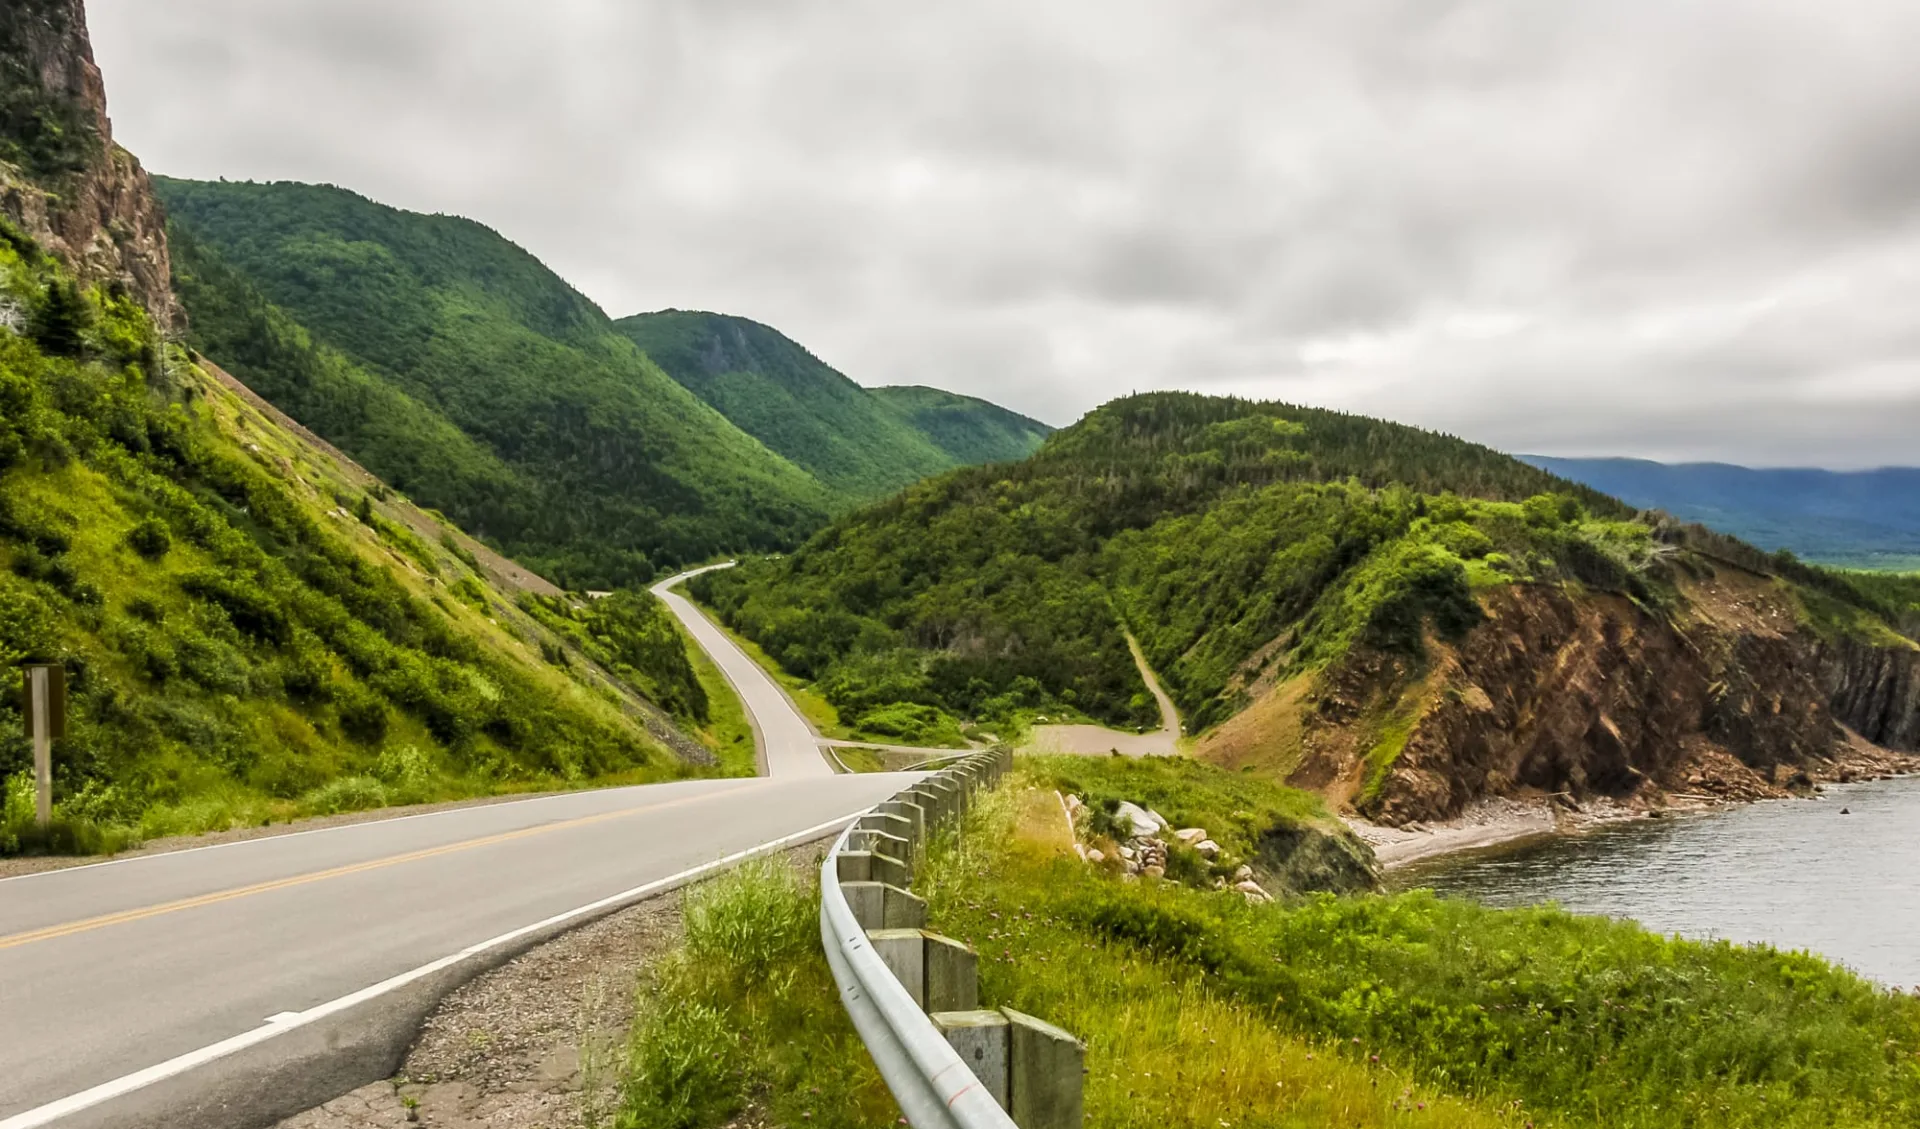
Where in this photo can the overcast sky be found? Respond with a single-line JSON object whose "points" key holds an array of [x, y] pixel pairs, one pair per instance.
{"points": [[1646, 227]]}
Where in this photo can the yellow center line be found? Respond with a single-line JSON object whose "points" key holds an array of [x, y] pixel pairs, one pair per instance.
{"points": [[51, 932]]}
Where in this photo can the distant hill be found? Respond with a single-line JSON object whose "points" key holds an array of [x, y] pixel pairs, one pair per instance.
{"points": [[455, 365], [862, 443], [1857, 519], [967, 428]]}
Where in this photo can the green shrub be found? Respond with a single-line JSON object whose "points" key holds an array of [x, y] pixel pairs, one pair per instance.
{"points": [[347, 794], [151, 539], [363, 714]]}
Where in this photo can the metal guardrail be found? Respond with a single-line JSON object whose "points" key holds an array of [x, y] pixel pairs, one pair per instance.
{"points": [[934, 1087]]}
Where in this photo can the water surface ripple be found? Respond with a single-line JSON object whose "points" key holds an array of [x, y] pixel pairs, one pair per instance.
{"points": [[1796, 874]]}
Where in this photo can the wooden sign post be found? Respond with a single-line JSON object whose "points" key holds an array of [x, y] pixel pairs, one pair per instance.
{"points": [[46, 702]]}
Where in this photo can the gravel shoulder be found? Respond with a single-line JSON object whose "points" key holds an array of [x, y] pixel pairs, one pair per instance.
{"points": [[538, 1043]]}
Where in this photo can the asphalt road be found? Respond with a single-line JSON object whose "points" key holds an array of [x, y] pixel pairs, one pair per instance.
{"points": [[788, 746], [126, 980]]}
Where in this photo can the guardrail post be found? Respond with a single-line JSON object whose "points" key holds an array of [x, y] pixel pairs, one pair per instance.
{"points": [[980, 1038], [911, 812], [867, 866], [897, 826], [1046, 1070], [940, 973], [877, 905], [881, 843]]}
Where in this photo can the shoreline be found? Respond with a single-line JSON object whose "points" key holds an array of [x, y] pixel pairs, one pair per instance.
{"points": [[1502, 820]]}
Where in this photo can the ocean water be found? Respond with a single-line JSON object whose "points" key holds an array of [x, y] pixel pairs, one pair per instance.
{"points": [[1797, 874]]}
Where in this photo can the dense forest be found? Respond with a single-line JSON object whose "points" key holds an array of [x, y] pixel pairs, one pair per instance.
{"points": [[1234, 539], [454, 365], [862, 443], [249, 634]]}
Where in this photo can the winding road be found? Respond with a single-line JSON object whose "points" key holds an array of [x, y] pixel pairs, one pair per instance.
{"points": [[231, 985]]}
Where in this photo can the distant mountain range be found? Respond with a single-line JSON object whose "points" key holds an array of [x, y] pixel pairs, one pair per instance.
{"points": [[1856, 519], [456, 366]]}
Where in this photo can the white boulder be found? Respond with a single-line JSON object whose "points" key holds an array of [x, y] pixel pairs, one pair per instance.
{"points": [[1190, 835], [1207, 847], [1253, 891], [1139, 820]]}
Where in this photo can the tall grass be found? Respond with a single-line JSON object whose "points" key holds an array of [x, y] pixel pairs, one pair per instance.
{"points": [[745, 1015]]}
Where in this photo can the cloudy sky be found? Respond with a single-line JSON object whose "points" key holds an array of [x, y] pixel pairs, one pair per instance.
{"points": [[1665, 228]]}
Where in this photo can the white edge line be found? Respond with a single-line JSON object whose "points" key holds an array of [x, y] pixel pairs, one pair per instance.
{"points": [[291, 1021]]}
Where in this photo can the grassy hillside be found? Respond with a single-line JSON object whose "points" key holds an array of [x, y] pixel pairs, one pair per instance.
{"points": [[967, 428], [459, 368], [254, 630], [1207, 525], [1868, 519], [862, 443]]}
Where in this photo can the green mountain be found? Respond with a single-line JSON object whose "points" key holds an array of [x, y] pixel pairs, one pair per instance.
{"points": [[862, 443], [1866, 519], [1372, 576], [968, 429], [453, 364]]}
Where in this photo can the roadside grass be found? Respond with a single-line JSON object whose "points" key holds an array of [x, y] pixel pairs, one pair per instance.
{"points": [[743, 1024], [745, 1016], [728, 731]]}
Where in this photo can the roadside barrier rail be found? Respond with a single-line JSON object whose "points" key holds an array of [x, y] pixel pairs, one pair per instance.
{"points": [[913, 994]]}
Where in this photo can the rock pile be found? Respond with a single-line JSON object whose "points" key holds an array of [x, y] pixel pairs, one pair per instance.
{"points": [[1141, 842]]}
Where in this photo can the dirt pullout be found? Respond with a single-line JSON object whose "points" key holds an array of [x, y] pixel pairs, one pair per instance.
{"points": [[538, 1043], [1098, 740]]}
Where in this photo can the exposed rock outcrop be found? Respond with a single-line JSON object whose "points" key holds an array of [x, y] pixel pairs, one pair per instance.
{"points": [[1576, 695], [1875, 690], [67, 185]]}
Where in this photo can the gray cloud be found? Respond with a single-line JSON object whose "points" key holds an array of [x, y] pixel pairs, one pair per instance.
{"points": [[1687, 228]]}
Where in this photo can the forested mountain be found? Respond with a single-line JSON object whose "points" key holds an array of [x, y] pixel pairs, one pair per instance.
{"points": [[862, 443], [967, 428], [1857, 519], [784, 396], [469, 375], [253, 627], [1255, 548]]}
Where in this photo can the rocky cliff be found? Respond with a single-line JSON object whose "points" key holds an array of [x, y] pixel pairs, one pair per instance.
{"points": [[1577, 695], [62, 179]]}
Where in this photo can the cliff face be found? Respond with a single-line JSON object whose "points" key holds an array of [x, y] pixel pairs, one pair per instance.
{"points": [[63, 181], [1590, 695], [1876, 690]]}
